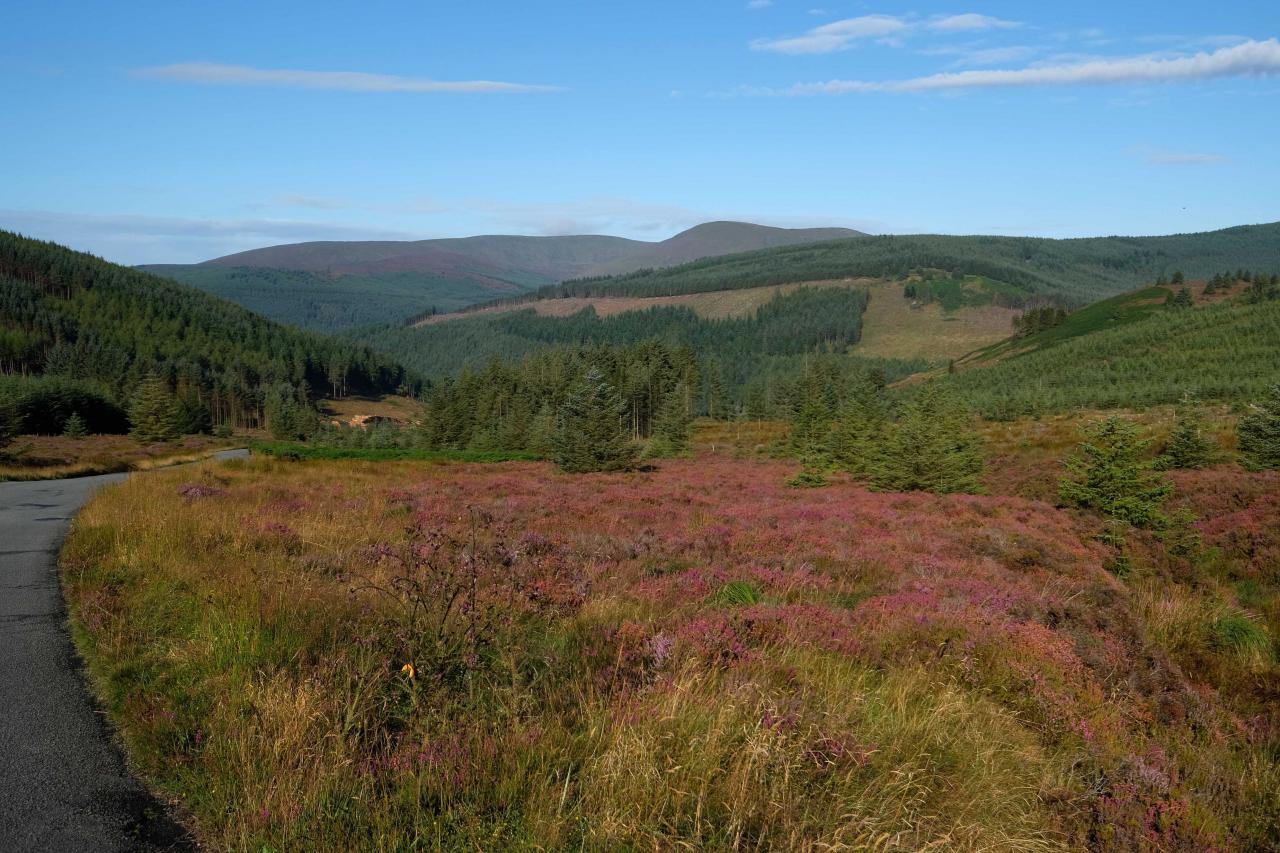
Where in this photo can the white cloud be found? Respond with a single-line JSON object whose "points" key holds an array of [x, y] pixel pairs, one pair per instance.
{"points": [[840, 35], [967, 23], [837, 35], [759, 4], [215, 74], [1175, 158], [1251, 59]]}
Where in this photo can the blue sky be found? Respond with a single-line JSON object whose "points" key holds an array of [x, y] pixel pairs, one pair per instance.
{"points": [[179, 131]]}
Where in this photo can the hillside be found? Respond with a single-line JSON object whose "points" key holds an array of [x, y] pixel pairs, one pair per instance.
{"points": [[330, 303], [334, 285], [894, 325], [78, 332], [1073, 272], [1131, 351]]}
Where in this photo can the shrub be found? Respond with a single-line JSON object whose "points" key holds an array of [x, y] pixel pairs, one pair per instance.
{"points": [[932, 448], [1188, 446], [1259, 433], [1109, 475], [76, 427]]}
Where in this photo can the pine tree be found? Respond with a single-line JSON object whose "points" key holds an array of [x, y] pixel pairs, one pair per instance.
{"points": [[75, 427], [1109, 475], [932, 448], [541, 437], [193, 416], [1259, 434], [858, 436], [590, 433], [810, 431], [10, 423], [1188, 446], [153, 415], [671, 426]]}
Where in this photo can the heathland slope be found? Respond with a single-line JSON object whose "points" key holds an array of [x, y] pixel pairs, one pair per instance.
{"points": [[697, 657]]}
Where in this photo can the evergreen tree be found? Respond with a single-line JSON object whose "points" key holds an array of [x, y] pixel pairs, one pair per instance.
{"points": [[671, 426], [1180, 298], [1178, 278], [1188, 446], [1109, 475], [541, 438], [154, 414], [287, 418], [810, 431], [932, 448], [1259, 434], [591, 434], [10, 423], [857, 439], [193, 416], [76, 427]]}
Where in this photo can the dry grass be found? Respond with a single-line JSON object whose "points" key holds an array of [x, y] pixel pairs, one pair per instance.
{"points": [[713, 305], [909, 672], [896, 327], [41, 457], [392, 407]]}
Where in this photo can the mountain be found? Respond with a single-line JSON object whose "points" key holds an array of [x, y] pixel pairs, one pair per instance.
{"points": [[333, 285], [78, 333], [713, 239]]}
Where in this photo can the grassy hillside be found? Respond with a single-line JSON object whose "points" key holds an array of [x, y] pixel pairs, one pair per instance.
{"points": [[1074, 272], [75, 327], [1132, 352]]}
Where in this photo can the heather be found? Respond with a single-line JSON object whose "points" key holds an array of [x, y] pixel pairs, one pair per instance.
{"points": [[346, 655]]}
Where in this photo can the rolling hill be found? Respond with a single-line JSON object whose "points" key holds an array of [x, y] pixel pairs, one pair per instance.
{"points": [[337, 285], [1073, 272]]}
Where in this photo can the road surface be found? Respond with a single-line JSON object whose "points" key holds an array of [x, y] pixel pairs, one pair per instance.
{"points": [[64, 786]]}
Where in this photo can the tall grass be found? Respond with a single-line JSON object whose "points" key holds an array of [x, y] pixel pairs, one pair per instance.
{"points": [[354, 656]]}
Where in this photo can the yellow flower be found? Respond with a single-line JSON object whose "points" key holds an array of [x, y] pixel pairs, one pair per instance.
{"points": [[410, 670]]}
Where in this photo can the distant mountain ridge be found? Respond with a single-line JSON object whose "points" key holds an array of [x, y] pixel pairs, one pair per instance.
{"points": [[556, 258], [336, 285]]}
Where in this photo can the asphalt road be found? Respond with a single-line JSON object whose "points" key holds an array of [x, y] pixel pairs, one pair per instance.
{"points": [[64, 786]]}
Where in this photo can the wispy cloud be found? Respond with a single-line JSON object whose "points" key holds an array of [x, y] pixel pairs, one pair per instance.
{"points": [[1252, 59], [759, 4], [843, 34], [133, 239], [968, 23], [215, 74], [837, 35], [1176, 158]]}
